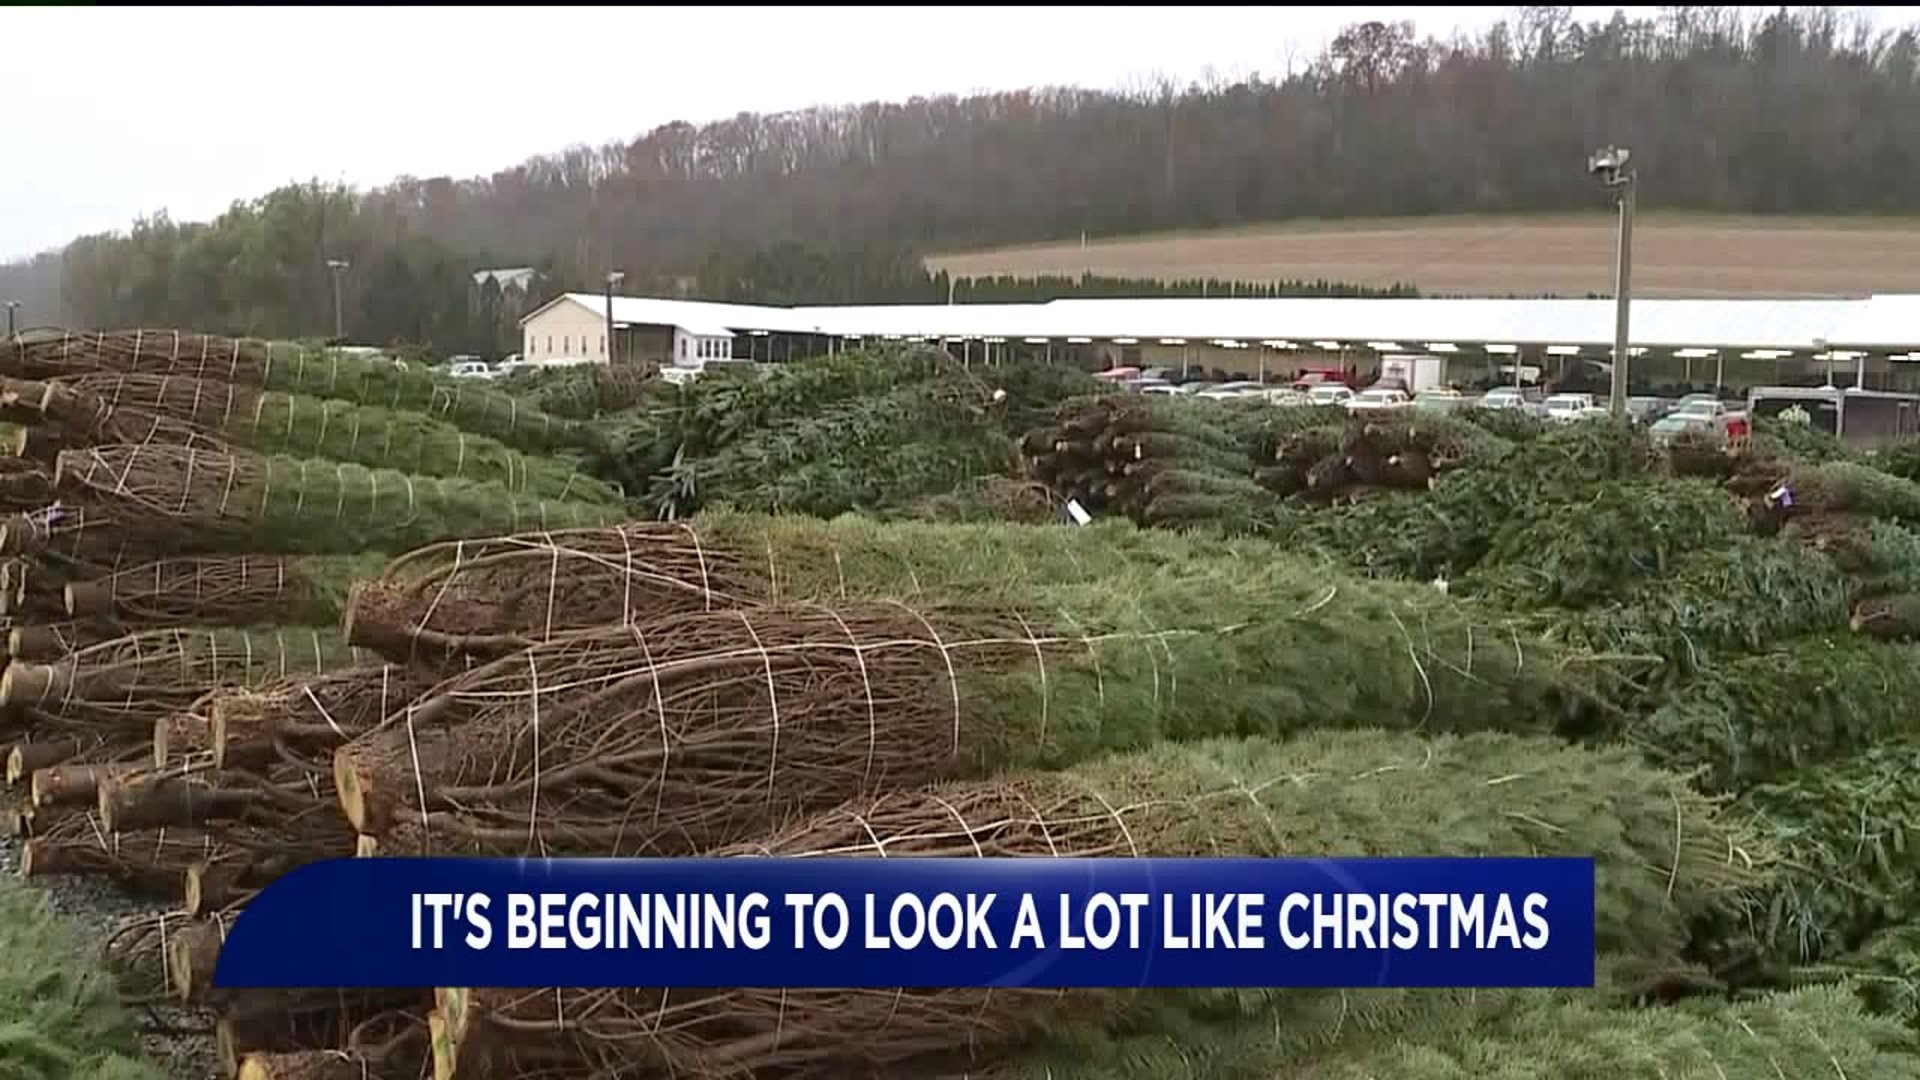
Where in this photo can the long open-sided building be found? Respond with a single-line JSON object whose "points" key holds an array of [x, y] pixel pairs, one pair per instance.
{"points": [[1866, 342]]}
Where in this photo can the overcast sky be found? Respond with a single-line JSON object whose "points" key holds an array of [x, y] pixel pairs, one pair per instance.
{"points": [[115, 112]]}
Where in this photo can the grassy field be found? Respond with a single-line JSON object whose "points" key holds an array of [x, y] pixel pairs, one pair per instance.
{"points": [[1558, 254]]}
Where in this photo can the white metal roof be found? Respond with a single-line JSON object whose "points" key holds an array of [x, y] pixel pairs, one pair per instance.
{"points": [[1882, 321], [1879, 322]]}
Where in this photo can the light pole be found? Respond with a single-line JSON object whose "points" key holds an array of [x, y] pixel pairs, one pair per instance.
{"points": [[12, 306], [614, 277], [1610, 165], [339, 268]]}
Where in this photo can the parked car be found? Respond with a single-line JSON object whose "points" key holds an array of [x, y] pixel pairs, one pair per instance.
{"points": [[1503, 397], [470, 368], [1329, 394], [1310, 379], [1714, 416], [678, 375], [1566, 408], [1704, 407], [1229, 390], [1646, 410], [1379, 401], [1674, 425], [1440, 400], [1286, 395]]}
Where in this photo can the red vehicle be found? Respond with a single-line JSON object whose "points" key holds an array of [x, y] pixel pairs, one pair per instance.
{"points": [[1312, 377], [1739, 430]]}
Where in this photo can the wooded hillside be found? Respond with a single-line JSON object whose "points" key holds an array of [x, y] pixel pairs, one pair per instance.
{"points": [[1794, 113]]}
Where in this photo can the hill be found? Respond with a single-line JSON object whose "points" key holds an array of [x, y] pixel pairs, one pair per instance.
{"points": [[1791, 113], [1675, 255]]}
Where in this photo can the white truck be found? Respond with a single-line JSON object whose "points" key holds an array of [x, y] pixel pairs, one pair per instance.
{"points": [[1705, 415], [1415, 373], [1566, 408]]}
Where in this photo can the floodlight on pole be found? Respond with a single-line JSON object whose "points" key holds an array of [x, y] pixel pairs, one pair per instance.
{"points": [[339, 268], [614, 277], [1611, 166]]}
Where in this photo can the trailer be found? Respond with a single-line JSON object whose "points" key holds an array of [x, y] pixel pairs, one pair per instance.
{"points": [[1856, 417]]}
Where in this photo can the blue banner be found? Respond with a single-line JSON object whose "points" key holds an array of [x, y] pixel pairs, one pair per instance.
{"points": [[765, 922]]}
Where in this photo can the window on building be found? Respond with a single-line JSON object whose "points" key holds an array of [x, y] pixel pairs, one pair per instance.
{"points": [[683, 348], [549, 342], [603, 344]]}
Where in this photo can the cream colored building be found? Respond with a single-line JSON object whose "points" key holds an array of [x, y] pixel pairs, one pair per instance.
{"points": [[574, 327]]}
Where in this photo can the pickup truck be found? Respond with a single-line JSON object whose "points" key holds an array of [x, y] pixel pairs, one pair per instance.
{"points": [[1330, 393], [1566, 408], [1505, 397], [1706, 416], [1378, 400]]}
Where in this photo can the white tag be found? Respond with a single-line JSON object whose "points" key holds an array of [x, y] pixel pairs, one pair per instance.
{"points": [[1078, 512]]}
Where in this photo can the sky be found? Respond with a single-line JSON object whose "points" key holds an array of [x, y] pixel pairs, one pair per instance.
{"points": [[133, 110]]}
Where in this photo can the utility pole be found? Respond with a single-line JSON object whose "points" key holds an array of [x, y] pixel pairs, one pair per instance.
{"points": [[339, 268], [12, 306], [614, 277], [1610, 165]]}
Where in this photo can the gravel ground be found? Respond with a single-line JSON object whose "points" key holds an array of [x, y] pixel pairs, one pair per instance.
{"points": [[179, 1040]]}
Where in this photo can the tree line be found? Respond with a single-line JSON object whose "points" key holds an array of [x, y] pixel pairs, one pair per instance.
{"points": [[263, 269], [792, 273], [1794, 112]]}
